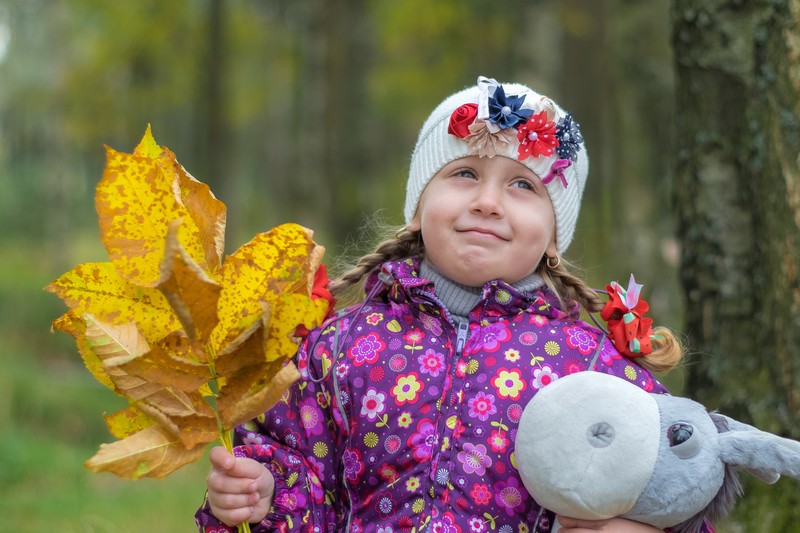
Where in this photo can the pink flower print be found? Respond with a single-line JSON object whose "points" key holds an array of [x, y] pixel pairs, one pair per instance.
{"points": [[398, 362], [291, 438], [353, 466], [480, 493], [388, 473], [311, 417], [482, 406], [509, 383], [431, 362], [432, 324], [218, 529], [580, 338], [445, 524], [461, 368], [407, 388], [498, 441], [366, 349], [315, 487], [492, 336], [373, 319], [510, 495], [253, 438], [372, 403], [476, 524], [608, 354], [474, 459], [317, 466], [392, 443], [424, 440], [385, 505], [291, 500], [413, 338], [342, 369], [539, 321], [528, 338], [514, 412], [543, 377], [573, 366]]}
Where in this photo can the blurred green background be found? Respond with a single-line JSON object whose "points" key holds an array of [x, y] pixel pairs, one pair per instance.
{"points": [[291, 110]]}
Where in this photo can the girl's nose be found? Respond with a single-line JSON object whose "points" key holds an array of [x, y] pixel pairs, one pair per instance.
{"points": [[488, 201]]}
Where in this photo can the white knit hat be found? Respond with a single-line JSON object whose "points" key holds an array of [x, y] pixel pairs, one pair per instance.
{"points": [[508, 120]]}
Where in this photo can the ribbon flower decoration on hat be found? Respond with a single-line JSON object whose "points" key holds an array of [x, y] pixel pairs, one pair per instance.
{"points": [[629, 329], [499, 121]]}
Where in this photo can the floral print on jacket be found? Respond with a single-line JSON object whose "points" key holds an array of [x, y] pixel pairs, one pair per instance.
{"points": [[412, 428]]}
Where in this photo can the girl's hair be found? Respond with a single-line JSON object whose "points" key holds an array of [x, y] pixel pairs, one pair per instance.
{"points": [[568, 288]]}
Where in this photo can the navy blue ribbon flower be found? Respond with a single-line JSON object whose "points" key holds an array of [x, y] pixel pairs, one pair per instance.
{"points": [[505, 111], [568, 133]]}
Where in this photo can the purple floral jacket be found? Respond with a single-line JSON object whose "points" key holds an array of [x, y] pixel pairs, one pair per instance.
{"points": [[412, 427]]}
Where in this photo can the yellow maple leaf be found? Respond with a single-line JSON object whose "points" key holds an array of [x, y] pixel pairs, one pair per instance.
{"points": [[196, 344]]}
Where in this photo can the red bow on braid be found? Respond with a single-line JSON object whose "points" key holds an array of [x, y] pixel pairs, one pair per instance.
{"points": [[319, 290], [629, 330]]}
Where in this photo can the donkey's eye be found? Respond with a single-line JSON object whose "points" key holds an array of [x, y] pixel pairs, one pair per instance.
{"points": [[683, 441], [679, 433]]}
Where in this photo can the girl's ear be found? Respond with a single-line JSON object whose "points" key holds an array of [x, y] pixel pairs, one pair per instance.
{"points": [[552, 248], [414, 225]]}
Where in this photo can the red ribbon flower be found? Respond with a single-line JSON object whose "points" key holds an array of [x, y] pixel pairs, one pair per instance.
{"points": [[461, 119], [319, 290], [628, 328]]}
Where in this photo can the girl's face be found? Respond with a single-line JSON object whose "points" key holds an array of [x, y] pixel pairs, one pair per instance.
{"points": [[484, 219]]}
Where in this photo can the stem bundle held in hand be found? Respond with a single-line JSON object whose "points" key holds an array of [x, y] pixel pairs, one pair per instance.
{"points": [[196, 345]]}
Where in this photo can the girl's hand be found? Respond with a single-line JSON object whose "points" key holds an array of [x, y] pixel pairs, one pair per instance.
{"points": [[618, 525], [239, 489]]}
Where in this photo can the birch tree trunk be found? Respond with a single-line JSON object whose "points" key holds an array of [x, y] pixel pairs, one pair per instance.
{"points": [[738, 207]]}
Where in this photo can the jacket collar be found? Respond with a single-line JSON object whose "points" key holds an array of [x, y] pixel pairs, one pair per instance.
{"points": [[403, 285]]}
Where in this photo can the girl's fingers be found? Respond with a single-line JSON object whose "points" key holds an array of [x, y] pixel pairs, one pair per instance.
{"points": [[231, 502], [224, 483], [221, 458]]}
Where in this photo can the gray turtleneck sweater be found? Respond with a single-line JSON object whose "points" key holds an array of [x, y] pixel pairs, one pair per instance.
{"points": [[461, 299]]}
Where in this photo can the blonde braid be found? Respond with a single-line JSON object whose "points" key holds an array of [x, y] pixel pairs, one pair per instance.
{"points": [[401, 245], [569, 288]]}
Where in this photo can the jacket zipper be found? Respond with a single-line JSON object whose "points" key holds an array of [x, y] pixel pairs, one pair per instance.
{"points": [[461, 338]]}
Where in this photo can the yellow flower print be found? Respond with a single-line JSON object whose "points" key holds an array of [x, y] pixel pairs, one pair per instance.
{"points": [[406, 388], [412, 484], [404, 420], [630, 372], [512, 355], [320, 449], [509, 383], [419, 505], [472, 366], [503, 296], [552, 348], [374, 318], [371, 440]]}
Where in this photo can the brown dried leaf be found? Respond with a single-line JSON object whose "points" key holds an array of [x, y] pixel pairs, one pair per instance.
{"points": [[151, 452], [191, 293], [250, 393]]}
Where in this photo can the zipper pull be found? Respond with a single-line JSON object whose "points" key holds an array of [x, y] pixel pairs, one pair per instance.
{"points": [[461, 339]]}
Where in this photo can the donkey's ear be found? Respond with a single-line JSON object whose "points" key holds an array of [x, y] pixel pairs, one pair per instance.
{"points": [[725, 424], [763, 454]]}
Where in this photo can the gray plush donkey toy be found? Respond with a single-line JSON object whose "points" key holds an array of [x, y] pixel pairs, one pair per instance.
{"points": [[593, 446]]}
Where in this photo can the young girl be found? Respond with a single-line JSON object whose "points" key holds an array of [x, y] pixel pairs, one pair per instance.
{"points": [[405, 417]]}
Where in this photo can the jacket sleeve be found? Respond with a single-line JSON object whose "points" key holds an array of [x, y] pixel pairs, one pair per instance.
{"points": [[297, 440]]}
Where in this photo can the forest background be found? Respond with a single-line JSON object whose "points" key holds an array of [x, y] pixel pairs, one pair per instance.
{"points": [[291, 110]]}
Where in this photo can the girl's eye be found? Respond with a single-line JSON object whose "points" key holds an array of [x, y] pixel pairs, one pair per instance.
{"points": [[524, 184], [466, 173]]}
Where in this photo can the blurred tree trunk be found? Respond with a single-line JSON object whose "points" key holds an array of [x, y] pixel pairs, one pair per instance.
{"points": [[738, 204]]}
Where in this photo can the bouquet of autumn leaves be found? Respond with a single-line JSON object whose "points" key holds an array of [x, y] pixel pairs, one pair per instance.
{"points": [[196, 345]]}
